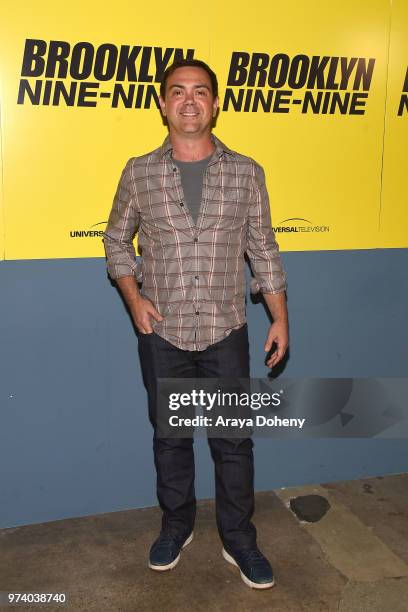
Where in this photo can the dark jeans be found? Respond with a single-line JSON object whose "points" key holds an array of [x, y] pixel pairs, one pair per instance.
{"points": [[174, 458]]}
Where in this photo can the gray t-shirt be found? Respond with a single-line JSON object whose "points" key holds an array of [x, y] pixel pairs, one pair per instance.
{"points": [[192, 175]]}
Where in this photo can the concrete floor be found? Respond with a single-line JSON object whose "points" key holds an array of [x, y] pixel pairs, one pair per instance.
{"points": [[355, 558]]}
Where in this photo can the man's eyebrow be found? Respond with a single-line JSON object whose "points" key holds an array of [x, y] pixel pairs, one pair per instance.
{"points": [[195, 86]]}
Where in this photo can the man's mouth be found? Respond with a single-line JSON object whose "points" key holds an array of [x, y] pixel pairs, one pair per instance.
{"points": [[189, 114]]}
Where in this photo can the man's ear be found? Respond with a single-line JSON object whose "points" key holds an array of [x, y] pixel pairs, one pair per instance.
{"points": [[215, 105], [162, 106]]}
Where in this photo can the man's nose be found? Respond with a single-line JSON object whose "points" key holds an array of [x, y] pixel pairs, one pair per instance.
{"points": [[189, 96]]}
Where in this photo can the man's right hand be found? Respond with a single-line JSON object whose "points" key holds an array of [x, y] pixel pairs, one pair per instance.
{"points": [[143, 311]]}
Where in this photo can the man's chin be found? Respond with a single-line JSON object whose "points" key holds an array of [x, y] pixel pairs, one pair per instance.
{"points": [[190, 124], [190, 129]]}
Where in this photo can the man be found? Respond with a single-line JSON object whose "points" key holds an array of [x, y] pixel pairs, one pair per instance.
{"points": [[197, 207]]}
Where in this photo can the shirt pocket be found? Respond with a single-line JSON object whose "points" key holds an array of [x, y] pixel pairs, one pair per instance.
{"points": [[232, 208]]}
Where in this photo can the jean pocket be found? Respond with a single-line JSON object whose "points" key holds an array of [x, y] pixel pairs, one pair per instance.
{"points": [[141, 335]]}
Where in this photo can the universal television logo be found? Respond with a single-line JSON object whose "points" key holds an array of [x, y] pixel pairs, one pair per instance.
{"points": [[89, 233], [299, 224]]}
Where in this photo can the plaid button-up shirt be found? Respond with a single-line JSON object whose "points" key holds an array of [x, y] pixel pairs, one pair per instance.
{"points": [[194, 274]]}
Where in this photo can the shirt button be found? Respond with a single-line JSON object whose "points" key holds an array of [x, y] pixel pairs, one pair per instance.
{"points": [[174, 169], [181, 203], [195, 239], [197, 312], [196, 277]]}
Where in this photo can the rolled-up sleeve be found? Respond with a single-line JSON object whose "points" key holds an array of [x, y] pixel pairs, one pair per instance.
{"points": [[121, 228], [262, 248]]}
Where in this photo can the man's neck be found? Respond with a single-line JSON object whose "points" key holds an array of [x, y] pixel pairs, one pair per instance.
{"points": [[192, 149]]}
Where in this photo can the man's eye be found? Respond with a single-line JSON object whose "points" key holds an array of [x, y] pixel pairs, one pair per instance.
{"points": [[201, 92]]}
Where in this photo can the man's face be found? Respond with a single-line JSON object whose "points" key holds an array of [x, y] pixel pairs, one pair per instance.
{"points": [[189, 104]]}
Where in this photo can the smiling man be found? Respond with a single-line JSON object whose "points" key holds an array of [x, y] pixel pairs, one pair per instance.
{"points": [[198, 207]]}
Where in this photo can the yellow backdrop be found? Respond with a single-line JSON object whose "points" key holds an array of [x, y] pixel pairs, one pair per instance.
{"points": [[312, 90]]}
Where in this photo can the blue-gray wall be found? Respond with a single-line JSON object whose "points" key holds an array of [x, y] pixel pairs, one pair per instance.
{"points": [[75, 438]]}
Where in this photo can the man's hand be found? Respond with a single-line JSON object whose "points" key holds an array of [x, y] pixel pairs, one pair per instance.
{"points": [[143, 311], [278, 333]]}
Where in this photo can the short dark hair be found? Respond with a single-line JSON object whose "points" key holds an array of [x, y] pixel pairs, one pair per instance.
{"points": [[183, 63]]}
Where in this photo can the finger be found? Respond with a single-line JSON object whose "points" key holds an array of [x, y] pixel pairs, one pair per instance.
{"points": [[273, 357], [156, 315], [268, 344], [276, 356], [145, 326], [272, 362]]}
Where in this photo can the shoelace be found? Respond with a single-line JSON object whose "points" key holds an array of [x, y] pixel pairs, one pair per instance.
{"points": [[253, 556], [166, 539]]}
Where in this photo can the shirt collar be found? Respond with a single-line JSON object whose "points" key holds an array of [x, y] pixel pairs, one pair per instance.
{"points": [[220, 147]]}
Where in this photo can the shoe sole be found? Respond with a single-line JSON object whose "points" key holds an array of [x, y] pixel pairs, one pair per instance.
{"points": [[248, 582], [169, 566]]}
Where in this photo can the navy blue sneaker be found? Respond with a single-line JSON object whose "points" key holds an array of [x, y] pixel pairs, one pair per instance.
{"points": [[165, 551], [255, 569]]}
